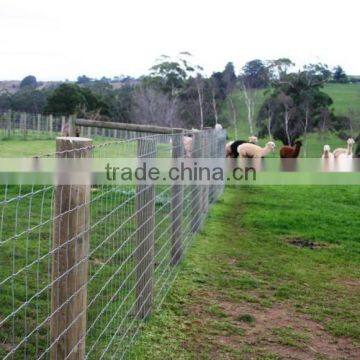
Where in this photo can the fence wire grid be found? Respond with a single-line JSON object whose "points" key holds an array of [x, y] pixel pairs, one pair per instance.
{"points": [[82, 267]]}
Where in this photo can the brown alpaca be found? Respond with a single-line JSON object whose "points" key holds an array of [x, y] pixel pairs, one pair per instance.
{"points": [[291, 151]]}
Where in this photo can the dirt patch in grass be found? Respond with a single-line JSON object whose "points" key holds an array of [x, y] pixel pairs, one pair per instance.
{"points": [[305, 243], [350, 283], [279, 331]]}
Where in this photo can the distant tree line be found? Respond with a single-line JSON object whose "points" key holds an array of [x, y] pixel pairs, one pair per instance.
{"points": [[176, 92]]}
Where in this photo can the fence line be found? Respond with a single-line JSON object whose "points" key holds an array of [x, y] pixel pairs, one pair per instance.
{"points": [[20, 125], [80, 267]]}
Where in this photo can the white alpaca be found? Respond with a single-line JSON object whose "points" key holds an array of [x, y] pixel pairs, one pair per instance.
{"points": [[218, 127], [248, 150], [342, 152], [327, 154], [187, 142], [228, 150], [253, 139]]}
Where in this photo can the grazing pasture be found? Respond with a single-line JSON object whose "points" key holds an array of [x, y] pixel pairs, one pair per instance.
{"points": [[278, 277]]}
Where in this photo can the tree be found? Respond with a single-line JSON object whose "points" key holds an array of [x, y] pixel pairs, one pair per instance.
{"points": [[28, 82], [5, 101], [83, 79], [169, 75], [29, 100], [230, 81], [214, 96], [229, 78], [339, 75], [66, 100], [297, 105], [256, 74], [69, 99], [152, 106], [177, 78], [278, 68], [199, 81]]}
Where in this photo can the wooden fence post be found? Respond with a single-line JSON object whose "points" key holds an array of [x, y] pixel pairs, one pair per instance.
{"points": [[69, 259], [176, 204], [212, 154], [205, 188], [144, 252], [63, 123], [196, 194], [23, 124], [72, 126], [8, 122], [38, 123], [51, 124]]}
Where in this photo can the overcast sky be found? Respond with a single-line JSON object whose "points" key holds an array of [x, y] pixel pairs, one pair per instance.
{"points": [[59, 39]]}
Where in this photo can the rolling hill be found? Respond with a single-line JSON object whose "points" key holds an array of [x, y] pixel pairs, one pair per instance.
{"points": [[346, 99]]}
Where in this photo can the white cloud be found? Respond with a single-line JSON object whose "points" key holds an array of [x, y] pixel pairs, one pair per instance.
{"points": [[61, 39]]}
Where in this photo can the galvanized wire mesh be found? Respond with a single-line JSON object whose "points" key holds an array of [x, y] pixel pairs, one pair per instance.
{"points": [[80, 267]]}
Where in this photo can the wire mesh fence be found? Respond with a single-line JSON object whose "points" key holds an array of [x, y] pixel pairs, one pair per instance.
{"points": [[82, 266]]}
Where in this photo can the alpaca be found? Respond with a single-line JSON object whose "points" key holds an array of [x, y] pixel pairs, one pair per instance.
{"points": [[187, 142], [327, 154], [249, 150], [218, 127], [291, 151], [345, 152], [231, 147]]}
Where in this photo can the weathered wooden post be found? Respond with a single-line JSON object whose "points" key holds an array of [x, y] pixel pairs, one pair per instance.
{"points": [[69, 259], [196, 194], [145, 221], [72, 125], [89, 132], [205, 188], [63, 123], [176, 204], [8, 123], [212, 147], [23, 124], [38, 124], [50, 124]]}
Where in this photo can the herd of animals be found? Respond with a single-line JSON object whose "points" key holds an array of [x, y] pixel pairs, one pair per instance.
{"points": [[250, 149]]}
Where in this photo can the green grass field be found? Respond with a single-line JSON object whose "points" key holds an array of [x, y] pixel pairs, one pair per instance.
{"points": [[274, 274], [346, 97], [272, 266]]}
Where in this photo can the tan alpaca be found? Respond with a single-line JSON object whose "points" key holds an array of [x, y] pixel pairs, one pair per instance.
{"points": [[254, 151], [327, 154], [229, 150], [341, 152], [187, 142]]}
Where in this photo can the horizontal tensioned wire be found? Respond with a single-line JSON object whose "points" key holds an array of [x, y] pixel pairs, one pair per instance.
{"points": [[136, 236]]}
